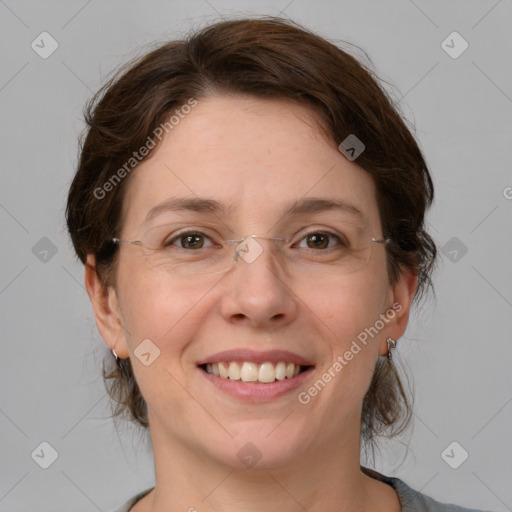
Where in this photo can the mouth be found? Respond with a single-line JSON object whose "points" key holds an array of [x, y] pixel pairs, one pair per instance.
{"points": [[256, 377]]}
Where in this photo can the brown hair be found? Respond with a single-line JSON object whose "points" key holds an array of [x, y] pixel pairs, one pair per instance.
{"points": [[265, 58]]}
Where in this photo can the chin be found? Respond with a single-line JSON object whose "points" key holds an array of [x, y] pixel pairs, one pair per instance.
{"points": [[262, 445]]}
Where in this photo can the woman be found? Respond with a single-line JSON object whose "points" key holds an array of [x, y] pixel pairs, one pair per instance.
{"points": [[250, 211]]}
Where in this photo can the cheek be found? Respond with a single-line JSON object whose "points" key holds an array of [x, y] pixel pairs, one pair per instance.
{"points": [[155, 307], [169, 315], [348, 314], [349, 306]]}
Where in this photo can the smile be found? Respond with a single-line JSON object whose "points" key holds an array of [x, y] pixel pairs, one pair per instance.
{"points": [[256, 376]]}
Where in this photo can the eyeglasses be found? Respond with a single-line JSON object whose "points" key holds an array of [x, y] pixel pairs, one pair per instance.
{"points": [[199, 255]]}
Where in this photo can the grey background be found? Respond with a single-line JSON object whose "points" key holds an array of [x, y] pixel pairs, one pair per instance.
{"points": [[457, 349]]}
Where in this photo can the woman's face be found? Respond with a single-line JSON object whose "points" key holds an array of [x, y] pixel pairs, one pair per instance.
{"points": [[255, 158]]}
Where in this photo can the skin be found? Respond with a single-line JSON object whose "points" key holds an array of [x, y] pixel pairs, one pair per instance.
{"points": [[256, 155]]}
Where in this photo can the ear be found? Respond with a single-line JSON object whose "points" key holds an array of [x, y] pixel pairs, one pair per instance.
{"points": [[401, 297], [106, 310]]}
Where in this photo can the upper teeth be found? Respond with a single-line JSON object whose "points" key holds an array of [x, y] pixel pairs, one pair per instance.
{"points": [[252, 372]]}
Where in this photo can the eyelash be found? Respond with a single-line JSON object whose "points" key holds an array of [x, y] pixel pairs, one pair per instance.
{"points": [[183, 234]]}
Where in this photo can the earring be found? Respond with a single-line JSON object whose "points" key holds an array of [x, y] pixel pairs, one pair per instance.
{"points": [[115, 355], [391, 345]]}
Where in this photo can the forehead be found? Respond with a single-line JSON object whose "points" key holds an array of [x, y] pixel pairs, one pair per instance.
{"points": [[252, 155]]}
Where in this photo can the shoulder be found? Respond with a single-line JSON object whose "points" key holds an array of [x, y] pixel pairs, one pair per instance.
{"points": [[125, 507], [412, 500]]}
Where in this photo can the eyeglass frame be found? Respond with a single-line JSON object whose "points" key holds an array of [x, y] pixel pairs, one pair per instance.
{"points": [[118, 241]]}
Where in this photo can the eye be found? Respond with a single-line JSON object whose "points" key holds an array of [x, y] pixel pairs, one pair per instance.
{"points": [[322, 240], [188, 240]]}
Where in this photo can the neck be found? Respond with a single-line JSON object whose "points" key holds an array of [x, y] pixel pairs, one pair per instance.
{"points": [[317, 480]]}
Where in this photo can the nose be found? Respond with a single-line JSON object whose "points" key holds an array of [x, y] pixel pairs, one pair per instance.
{"points": [[258, 291]]}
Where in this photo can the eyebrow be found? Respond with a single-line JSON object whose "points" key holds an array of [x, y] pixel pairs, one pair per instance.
{"points": [[309, 205]]}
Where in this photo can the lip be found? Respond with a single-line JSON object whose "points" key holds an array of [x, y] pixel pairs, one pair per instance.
{"points": [[253, 356], [254, 392]]}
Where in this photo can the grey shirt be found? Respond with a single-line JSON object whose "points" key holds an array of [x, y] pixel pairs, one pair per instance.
{"points": [[411, 500]]}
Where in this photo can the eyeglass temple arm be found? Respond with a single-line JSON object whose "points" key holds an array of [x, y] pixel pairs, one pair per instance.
{"points": [[126, 242]]}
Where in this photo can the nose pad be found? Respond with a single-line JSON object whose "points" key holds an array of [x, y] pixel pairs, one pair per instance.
{"points": [[248, 249]]}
